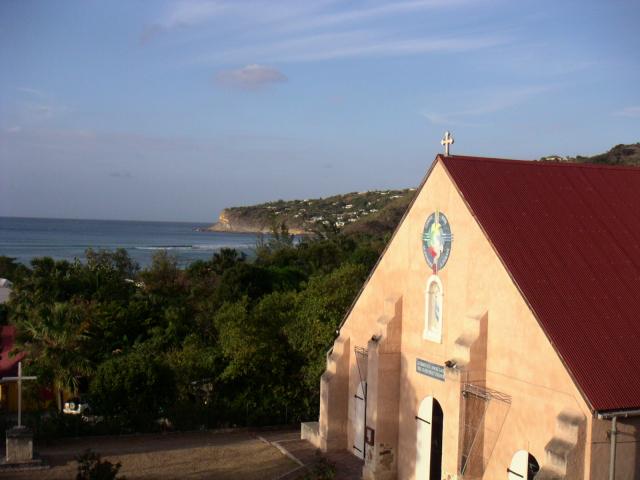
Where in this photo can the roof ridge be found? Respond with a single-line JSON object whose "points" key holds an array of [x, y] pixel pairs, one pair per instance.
{"points": [[542, 163]]}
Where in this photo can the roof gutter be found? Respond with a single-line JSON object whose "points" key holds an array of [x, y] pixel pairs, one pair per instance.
{"points": [[613, 415], [617, 413]]}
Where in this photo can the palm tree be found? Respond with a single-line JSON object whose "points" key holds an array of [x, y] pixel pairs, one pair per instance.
{"points": [[54, 342]]}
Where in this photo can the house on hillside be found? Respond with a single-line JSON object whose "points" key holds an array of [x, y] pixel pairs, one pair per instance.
{"points": [[5, 290], [498, 337]]}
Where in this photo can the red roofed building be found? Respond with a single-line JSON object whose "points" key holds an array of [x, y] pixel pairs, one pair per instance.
{"points": [[8, 363], [498, 336], [8, 368]]}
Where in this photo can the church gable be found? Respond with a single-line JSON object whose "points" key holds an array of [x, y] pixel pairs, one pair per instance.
{"points": [[450, 363], [445, 284], [457, 321], [524, 209]]}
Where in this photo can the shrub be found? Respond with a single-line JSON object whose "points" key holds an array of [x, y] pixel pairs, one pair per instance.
{"points": [[323, 469], [137, 386], [91, 467]]}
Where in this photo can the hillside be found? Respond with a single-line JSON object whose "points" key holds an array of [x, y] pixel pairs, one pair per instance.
{"points": [[618, 155], [381, 208], [375, 213]]}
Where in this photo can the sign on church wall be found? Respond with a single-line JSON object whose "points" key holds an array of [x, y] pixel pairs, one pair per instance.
{"points": [[429, 369]]}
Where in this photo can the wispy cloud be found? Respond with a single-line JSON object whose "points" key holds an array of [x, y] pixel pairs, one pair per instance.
{"points": [[32, 92], [121, 174], [251, 77], [631, 112], [192, 12], [40, 110], [183, 14], [32, 105], [293, 31], [292, 14], [377, 11], [350, 44], [392, 48], [492, 102]]}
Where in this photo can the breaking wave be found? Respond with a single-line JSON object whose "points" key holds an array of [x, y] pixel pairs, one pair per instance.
{"points": [[197, 247]]}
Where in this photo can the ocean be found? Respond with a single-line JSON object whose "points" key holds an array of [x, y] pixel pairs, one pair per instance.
{"points": [[28, 238]]}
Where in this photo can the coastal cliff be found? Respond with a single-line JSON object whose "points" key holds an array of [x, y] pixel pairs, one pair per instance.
{"points": [[239, 220], [350, 211]]}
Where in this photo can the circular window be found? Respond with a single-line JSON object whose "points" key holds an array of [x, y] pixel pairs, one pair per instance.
{"points": [[436, 240]]}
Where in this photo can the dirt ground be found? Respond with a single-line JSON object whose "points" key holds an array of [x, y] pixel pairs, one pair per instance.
{"points": [[195, 455]]}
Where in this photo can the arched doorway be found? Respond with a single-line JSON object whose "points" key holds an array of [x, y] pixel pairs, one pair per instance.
{"points": [[524, 466], [359, 419], [429, 423]]}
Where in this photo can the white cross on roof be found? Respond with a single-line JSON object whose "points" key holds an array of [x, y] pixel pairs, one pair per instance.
{"points": [[446, 141]]}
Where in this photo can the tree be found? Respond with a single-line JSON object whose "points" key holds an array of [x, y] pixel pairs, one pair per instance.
{"points": [[226, 258], [194, 364], [117, 261], [138, 386], [109, 276], [321, 307], [54, 340], [224, 341], [242, 280], [164, 278], [12, 270]]}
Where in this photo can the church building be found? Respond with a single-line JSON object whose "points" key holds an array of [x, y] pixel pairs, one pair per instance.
{"points": [[498, 337]]}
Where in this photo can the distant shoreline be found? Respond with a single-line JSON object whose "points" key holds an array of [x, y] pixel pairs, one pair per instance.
{"points": [[11, 217], [66, 239]]}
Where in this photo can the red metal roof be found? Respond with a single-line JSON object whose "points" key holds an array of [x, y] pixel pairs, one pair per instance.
{"points": [[569, 234], [8, 364]]}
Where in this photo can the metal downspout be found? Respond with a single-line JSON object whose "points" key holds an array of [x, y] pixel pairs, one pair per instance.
{"points": [[612, 456], [613, 415]]}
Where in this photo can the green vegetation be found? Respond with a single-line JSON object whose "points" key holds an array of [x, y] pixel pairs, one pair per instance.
{"points": [[223, 342], [351, 212], [618, 155], [92, 467], [322, 469]]}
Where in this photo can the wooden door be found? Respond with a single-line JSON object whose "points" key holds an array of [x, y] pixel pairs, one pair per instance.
{"points": [[429, 426]]}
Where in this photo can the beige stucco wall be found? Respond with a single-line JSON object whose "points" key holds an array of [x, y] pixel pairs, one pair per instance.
{"points": [[520, 360], [627, 446]]}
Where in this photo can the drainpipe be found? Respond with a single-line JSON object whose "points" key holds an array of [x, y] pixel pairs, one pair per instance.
{"points": [[612, 456], [614, 433]]}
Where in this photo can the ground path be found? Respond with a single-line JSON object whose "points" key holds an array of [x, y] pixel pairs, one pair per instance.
{"points": [[347, 466], [193, 455], [263, 455]]}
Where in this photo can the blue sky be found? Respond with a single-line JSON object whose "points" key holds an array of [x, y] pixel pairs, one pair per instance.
{"points": [[173, 110]]}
